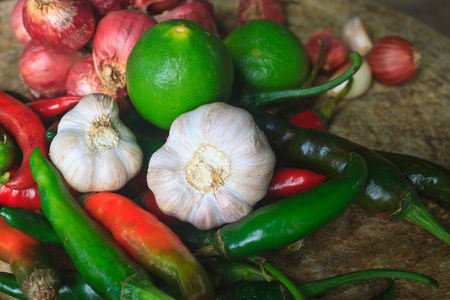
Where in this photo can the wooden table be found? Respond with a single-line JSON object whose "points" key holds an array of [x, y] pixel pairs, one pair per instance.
{"points": [[413, 118]]}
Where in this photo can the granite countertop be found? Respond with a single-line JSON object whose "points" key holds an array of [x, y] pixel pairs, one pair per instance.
{"points": [[413, 119]]}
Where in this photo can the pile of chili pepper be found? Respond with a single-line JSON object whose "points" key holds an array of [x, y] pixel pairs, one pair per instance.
{"points": [[143, 253]]}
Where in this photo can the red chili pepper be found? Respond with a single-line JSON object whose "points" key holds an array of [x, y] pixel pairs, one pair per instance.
{"points": [[28, 198], [47, 109], [30, 262], [29, 132], [151, 243], [308, 119], [319, 118], [287, 182]]}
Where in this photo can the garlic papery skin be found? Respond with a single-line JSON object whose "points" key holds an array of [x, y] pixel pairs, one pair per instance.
{"points": [[92, 148], [356, 37], [362, 80], [215, 165]]}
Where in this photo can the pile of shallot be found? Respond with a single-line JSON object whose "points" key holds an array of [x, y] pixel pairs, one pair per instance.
{"points": [[80, 47], [392, 60]]}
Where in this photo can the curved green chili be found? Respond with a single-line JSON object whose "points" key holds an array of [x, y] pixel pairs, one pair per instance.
{"points": [[32, 224], [281, 223], [431, 180], [254, 98], [387, 191], [101, 261], [7, 147], [273, 290]]}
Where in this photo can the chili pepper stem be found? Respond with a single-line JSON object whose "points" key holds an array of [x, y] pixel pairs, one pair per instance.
{"points": [[326, 111], [266, 266], [318, 63], [4, 178], [254, 99], [207, 251], [413, 210], [317, 287]]}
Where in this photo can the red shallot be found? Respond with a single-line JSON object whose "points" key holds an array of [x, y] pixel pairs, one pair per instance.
{"points": [[59, 25], [336, 53], [192, 10], [83, 80], [393, 60], [103, 7], [154, 7], [45, 72], [17, 23], [261, 9], [115, 37]]}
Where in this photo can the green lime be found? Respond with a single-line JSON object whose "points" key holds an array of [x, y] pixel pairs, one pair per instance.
{"points": [[267, 55], [177, 66]]}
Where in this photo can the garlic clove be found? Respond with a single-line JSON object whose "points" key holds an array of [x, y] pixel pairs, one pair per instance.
{"points": [[355, 35], [92, 149], [215, 165], [362, 80]]}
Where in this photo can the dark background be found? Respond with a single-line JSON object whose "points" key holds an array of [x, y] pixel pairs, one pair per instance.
{"points": [[435, 13]]}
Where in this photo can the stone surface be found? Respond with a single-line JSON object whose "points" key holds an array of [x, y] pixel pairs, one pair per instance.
{"points": [[413, 118]]}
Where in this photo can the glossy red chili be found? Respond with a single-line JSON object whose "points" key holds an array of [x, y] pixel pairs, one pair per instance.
{"points": [[26, 198], [28, 131], [30, 262], [287, 182], [319, 118], [151, 243], [47, 109]]}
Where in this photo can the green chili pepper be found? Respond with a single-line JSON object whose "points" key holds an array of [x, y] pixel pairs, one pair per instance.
{"points": [[32, 224], [431, 180], [387, 191], [281, 223], [137, 123], [101, 261], [191, 236], [273, 290], [73, 287], [9, 286], [149, 145], [387, 294], [7, 147], [51, 132]]}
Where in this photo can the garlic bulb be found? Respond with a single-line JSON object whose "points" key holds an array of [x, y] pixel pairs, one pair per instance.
{"points": [[356, 37], [215, 165], [92, 149], [362, 80]]}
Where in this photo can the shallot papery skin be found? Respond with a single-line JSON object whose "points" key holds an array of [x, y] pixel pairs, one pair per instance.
{"points": [[45, 72], [336, 53], [17, 23], [115, 37], [154, 7], [260, 10], [192, 10], [103, 7], [393, 60], [83, 80], [59, 25]]}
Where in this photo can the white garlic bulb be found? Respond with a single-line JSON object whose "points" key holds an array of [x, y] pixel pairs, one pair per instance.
{"points": [[92, 149], [362, 80], [215, 165]]}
